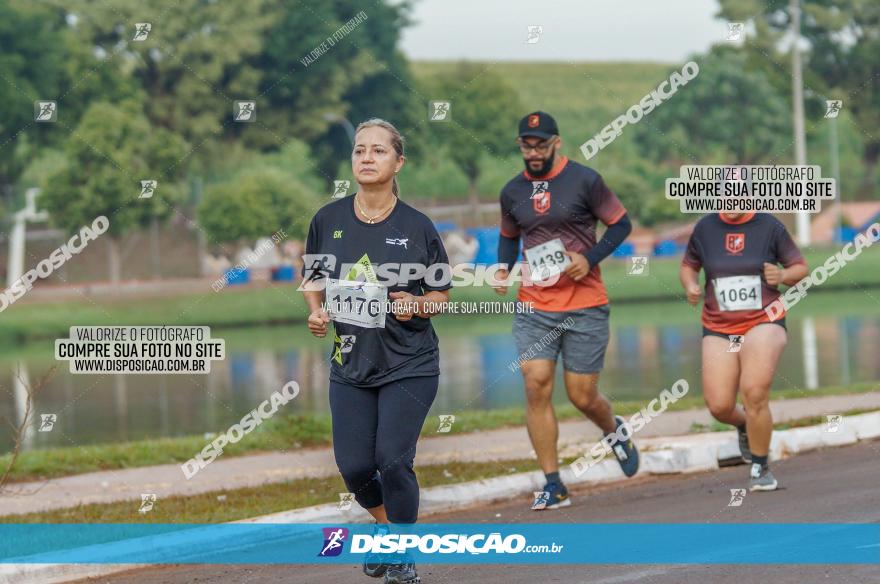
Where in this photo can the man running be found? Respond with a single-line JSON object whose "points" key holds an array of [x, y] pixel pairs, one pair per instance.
{"points": [[741, 253], [554, 206]]}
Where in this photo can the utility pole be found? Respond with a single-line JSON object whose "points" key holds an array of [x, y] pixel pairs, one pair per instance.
{"points": [[835, 172], [797, 86]]}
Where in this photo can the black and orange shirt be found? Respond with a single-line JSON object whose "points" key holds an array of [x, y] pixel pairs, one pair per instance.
{"points": [[733, 253], [566, 203]]}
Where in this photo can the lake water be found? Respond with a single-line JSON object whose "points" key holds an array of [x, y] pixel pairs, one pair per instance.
{"points": [[833, 340]]}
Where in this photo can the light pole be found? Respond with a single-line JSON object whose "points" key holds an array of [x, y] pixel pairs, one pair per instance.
{"points": [[18, 236], [835, 172], [343, 121], [797, 86]]}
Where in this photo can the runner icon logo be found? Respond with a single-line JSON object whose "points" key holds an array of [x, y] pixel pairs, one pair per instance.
{"points": [[734, 31], [446, 422], [316, 267], [345, 500], [47, 422], [346, 342], [833, 107], [541, 499], [147, 501], [147, 188], [334, 541], [639, 266], [535, 31], [736, 342], [833, 422], [340, 188], [439, 111], [737, 496], [45, 111], [393, 241], [539, 187], [142, 31], [245, 111]]}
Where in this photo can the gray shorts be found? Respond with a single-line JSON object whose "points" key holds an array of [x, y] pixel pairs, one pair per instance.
{"points": [[581, 335]]}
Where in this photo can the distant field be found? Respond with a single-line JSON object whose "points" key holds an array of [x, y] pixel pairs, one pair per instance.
{"points": [[584, 98]]}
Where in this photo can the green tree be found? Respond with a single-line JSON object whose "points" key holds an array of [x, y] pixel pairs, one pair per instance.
{"points": [[255, 203], [47, 60], [361, 75], [484, 113], [728, 114], [31, 68], [112, 149], [842, 59], [195, 62]]}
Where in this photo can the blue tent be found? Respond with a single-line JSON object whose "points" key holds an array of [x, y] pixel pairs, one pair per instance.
{"points": [[487, 239], [444, 226], [667, 248], [626, 249]]}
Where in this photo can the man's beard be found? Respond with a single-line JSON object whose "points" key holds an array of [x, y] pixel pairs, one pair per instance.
{"points": [[546, 168]]}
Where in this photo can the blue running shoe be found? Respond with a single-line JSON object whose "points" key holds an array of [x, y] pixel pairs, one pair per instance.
{"points": [[375, 565], [626, 453], [402, 572], [554, 496]]}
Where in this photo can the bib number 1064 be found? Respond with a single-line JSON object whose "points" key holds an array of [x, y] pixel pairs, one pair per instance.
{"points": [[738, 293]]}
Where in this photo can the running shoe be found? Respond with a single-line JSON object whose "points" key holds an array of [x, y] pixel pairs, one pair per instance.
{"points": [[761, 479], [402, 573], [744, 444], [626, 453], [375, 565], [554, 496]]}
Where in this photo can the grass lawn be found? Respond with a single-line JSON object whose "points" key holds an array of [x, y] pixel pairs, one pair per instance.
{"points": [[231, 505], [236, 504], [281, 433]]}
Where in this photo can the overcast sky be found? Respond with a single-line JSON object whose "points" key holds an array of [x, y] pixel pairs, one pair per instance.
{"points": [[573, 30]]}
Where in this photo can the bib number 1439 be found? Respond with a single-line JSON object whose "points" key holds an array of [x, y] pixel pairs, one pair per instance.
{"points": [[547, 259]]}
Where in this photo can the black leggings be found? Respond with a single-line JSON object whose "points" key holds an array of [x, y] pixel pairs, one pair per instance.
{"points": [[375, 430]]}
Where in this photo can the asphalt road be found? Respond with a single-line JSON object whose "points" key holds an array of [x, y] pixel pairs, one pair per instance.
{"points": [[835, 485]]}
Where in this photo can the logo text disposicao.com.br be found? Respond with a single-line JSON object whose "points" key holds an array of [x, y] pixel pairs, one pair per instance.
{"points": [[450, 543]]}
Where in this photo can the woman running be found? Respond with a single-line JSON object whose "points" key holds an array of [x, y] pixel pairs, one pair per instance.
{"points": [[384, 372], [741, 253]]}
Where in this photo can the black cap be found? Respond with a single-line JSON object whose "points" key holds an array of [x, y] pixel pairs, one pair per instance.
{"points": [[540, 124]]}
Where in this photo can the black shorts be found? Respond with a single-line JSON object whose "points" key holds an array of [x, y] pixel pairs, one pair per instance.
{"points": [[711, 333]]}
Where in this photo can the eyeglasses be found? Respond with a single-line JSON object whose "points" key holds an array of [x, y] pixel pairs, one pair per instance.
{"points": [[540, 147]]}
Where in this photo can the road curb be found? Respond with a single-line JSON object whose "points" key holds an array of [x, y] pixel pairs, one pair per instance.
{"points": [[667, 455]]}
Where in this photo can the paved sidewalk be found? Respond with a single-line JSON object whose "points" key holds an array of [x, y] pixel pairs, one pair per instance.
{"points": [[253, 470]]}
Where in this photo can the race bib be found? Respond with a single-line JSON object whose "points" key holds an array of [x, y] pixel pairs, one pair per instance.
{"points": [[546, 260], [359, 303], [738, 293]]}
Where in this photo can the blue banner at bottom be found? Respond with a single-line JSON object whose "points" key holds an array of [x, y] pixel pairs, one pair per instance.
{"points": [[443, 543]]}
